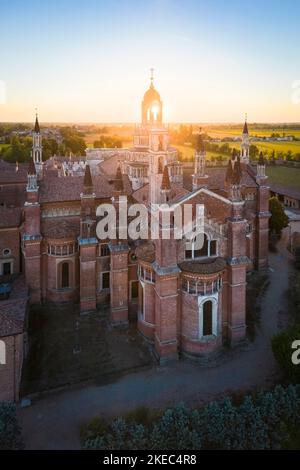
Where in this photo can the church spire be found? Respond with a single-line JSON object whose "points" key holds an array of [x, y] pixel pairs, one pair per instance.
{"points": [[37, 125], [37, 148], [245, 130], [229, 172], [87, 181], [245, 145], [261, 167], [118, 183], [31, 177], [165, 183]]}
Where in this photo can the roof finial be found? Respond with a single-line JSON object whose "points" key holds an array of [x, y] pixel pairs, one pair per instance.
{"points": [[36, 126], [151, 76]]}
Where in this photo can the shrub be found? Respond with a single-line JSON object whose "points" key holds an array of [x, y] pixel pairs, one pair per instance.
{"points": [[96, 427], [142, 415], [174, 431], [10, 431], [268, 421]]}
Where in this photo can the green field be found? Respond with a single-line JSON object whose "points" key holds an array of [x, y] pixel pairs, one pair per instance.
{"points": [[236, 131], [289, 177], [4, 146], [284, 147], [188, 152]]}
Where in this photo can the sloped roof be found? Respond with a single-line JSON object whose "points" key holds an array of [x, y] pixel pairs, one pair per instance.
{"points": [[146, 252], [69, 188], [62, 228], [207, 266], [13, 310], [10, 217]]}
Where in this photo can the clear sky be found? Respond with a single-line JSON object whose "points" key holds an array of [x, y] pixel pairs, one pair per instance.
{"points": [[89, 60]]}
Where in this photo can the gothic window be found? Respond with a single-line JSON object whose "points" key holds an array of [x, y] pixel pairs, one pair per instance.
{"points": [[104, 249], [134, 289], [6, 269], [213, 247], [2, 353], [207, 318], [207, 248], [65, 276], [105, 284]]}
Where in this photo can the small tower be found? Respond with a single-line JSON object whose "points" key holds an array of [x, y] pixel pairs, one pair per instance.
{"points": [[151, 106], [32, 235], [228, 177], [233, 178], [119, 250], [165, 187], [245, 145], [32, 185], [263, 214], [156, 166], [37, 148], [88, 245], [199, 177], [261, 167]]}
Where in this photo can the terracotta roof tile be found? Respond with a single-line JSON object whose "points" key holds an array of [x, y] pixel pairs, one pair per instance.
{"points": [[13, 310], [10, 217], [207, 266], [69, 188]]}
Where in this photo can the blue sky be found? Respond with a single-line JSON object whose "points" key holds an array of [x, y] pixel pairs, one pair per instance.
{"points": [[89, 60]]}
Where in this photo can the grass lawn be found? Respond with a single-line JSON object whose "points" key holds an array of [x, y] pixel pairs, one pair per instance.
{"points": [[289, 177], [66, 348]]}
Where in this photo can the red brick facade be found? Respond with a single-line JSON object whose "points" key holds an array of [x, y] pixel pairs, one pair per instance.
{"points": [[184, 303]]}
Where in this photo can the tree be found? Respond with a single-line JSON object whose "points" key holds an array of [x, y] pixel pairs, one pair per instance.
{"points": [[253, 151], [10, 431], [50, 148], [278, 220], [108, 142], [18, 151]]}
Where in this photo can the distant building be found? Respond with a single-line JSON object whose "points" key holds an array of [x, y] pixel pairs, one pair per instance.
{"points": [[289, 197]]}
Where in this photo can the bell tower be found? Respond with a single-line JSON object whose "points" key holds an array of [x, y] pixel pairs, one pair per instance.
{"points": [[245, 145], [151, 106], [37, 148]]}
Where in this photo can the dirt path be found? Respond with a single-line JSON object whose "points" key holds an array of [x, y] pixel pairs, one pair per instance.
{"points": [[53, 422]]}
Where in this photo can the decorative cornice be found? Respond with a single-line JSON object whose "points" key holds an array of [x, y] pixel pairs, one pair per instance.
{"points": [[162, 271], [237, 260], [118, 247], [87, 241], [26, 237]]}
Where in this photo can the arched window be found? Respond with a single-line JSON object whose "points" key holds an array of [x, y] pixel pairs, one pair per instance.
{"points": [[65, 275], [202, 248], [2, 353], [207, 318]]}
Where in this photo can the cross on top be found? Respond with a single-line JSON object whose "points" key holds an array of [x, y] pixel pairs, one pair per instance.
{"points": [[151, 75]]}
